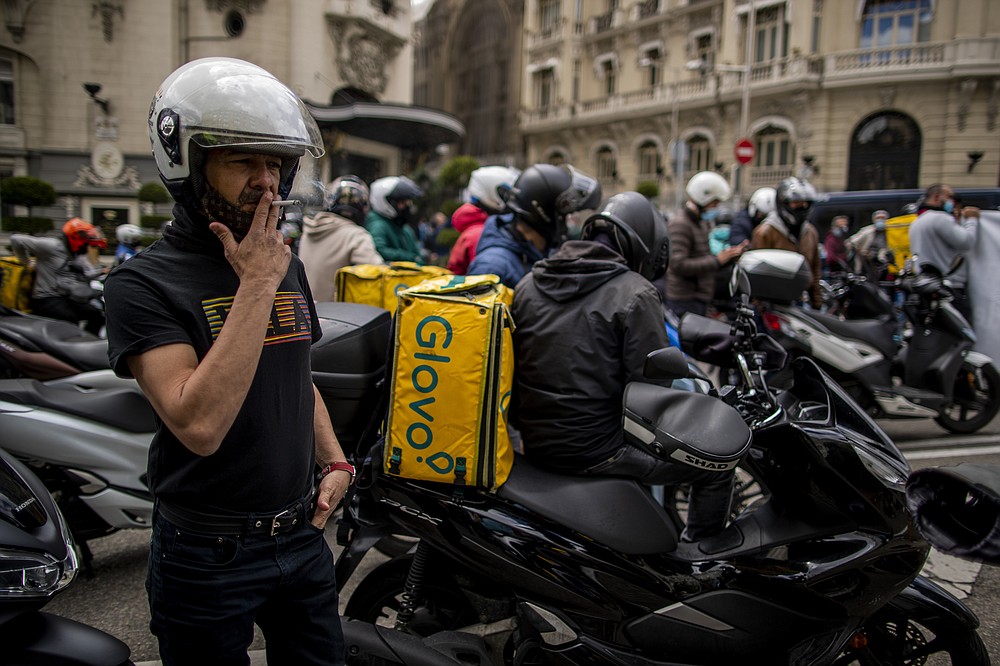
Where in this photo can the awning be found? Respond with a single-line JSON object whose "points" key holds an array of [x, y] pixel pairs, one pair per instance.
{"points": [[401, 125]]}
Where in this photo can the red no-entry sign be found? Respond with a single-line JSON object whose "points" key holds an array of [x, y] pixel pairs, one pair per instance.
{"points": [[744, 151]]}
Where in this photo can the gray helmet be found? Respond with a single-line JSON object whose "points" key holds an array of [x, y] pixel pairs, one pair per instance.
{"points": [[637, 228], [216, 103], [792, 190]]}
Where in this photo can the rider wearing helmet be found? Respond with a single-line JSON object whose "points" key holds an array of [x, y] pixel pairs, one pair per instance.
{"points": [[540, 199], [216, 323], [334, 238], [390, 220], [128, 236], [587, 317], [64, 267], [761, 203], [787, 228], [693, 267], [487, 187]]}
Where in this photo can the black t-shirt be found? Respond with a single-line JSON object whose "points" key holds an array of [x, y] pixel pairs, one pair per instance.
{"points": [[179, 291]]}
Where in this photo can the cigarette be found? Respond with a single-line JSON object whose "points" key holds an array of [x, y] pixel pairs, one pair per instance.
{"points": [[286, 202]]}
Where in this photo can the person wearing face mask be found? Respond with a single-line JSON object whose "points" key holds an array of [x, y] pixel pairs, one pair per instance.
{"points": [[692, 269], [867, 248], [835, 244], [390, 220], [941, 234], [787, 227]]}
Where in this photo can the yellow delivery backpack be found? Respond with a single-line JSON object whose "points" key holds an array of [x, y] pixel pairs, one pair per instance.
{"points": [[378, 284], [453, 368], [16, 280], [897, 238]]}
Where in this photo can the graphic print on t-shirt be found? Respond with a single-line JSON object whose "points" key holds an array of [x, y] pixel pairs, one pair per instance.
{"points": [[290, 320]]}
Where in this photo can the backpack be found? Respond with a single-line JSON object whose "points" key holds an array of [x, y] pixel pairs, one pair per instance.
{"points": [[16, 281], [452, 374], [377, 284]]}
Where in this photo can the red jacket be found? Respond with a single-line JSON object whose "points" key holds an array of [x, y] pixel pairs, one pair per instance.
{"points": [[468, 220]]}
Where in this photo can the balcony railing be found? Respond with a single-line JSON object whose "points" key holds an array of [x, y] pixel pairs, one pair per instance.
{"points": [[603, 22], [976, 55], [550, 34]]}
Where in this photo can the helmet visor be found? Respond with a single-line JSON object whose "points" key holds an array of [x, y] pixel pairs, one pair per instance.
{"points": [[230, 106], [583, 192]]}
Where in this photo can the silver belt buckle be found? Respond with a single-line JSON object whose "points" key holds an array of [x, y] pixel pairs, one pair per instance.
{"points": [[276, 521]]}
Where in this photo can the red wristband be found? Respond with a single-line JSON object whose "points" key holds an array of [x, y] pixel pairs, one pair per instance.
{"points": [[342, 465]]}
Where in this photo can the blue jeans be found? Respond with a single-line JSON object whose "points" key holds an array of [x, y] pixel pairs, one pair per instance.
{"points": [[711, 492], [207, 591]]}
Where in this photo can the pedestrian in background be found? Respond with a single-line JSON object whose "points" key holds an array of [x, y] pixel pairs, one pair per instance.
{"points": [[487, 187], [391, 217], [64, 267], [216, 322], [835, 244], [334, 237], [943, 233], [693, 268]]}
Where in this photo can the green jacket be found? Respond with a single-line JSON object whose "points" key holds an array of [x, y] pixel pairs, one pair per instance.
{"points": [[393, 241]]}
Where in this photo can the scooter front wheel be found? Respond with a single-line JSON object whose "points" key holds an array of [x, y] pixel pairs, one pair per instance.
{"points": [[901, 641], [975, 400]]}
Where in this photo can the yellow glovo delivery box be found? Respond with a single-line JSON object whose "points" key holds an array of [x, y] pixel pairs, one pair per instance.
{"points": [[453, 368], [15, 284], [375, 284]]}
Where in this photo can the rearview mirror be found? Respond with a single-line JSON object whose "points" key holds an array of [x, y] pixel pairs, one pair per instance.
{"points": [[665, 365], [739, 282]]}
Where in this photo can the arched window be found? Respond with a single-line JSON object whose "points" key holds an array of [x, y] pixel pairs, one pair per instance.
{"points": [[885, 153], [649, 161], [607, 169], [701, 155]]}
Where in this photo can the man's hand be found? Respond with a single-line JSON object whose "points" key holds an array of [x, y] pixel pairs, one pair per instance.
{"points": [[262, 256], [731, 253], [970, 211], [332, 489]]}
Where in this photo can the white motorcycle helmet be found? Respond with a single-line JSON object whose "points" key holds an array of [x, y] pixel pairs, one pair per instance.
{"points": [[761, 202], [706, 187], [128, 235], [488, 184], [225, 102], [387, 191]]}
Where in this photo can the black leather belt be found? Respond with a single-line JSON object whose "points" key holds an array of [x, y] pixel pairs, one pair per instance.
{"points": [[290, 518]]}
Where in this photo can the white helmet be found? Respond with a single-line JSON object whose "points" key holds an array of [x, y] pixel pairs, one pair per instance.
{"points": [[387, 191], [706, 187], [128, 234], [225, 102], [761, 202], [487, 184]]}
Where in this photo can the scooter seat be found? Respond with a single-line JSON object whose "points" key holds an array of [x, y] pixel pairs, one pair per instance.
{"points": [[61, 339], [125, 408], [618, 513], [876, 332]]}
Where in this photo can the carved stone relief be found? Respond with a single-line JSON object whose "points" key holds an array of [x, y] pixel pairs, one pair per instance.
{"points": [[363, 54]]}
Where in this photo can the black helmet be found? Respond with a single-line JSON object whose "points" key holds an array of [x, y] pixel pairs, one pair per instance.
{"points": [[347, 196], [544, 194], [794, 189], [637, 228]]}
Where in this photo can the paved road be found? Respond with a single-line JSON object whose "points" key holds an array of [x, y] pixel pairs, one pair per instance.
{"points": [[114, 598]]}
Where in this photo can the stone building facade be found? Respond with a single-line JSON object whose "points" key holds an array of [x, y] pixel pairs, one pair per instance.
{"points": [[77, 78], [467, 61], [866, 94]]}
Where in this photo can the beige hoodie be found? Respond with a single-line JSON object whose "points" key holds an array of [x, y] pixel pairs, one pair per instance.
{"points": [[329, 242]]}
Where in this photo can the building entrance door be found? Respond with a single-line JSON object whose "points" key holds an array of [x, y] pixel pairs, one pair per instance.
{"points": [[885, 153]]}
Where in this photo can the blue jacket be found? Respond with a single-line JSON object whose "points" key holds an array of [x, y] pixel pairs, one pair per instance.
{"points": [[741, 228], [501, 254]]}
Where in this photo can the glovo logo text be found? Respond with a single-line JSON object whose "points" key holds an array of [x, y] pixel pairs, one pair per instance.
{"points": [[434, 335]]}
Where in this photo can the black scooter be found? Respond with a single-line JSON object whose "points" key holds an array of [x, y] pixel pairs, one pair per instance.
{"points": [[37, 561], [42, 348], [560, 569], [935, 374]]}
